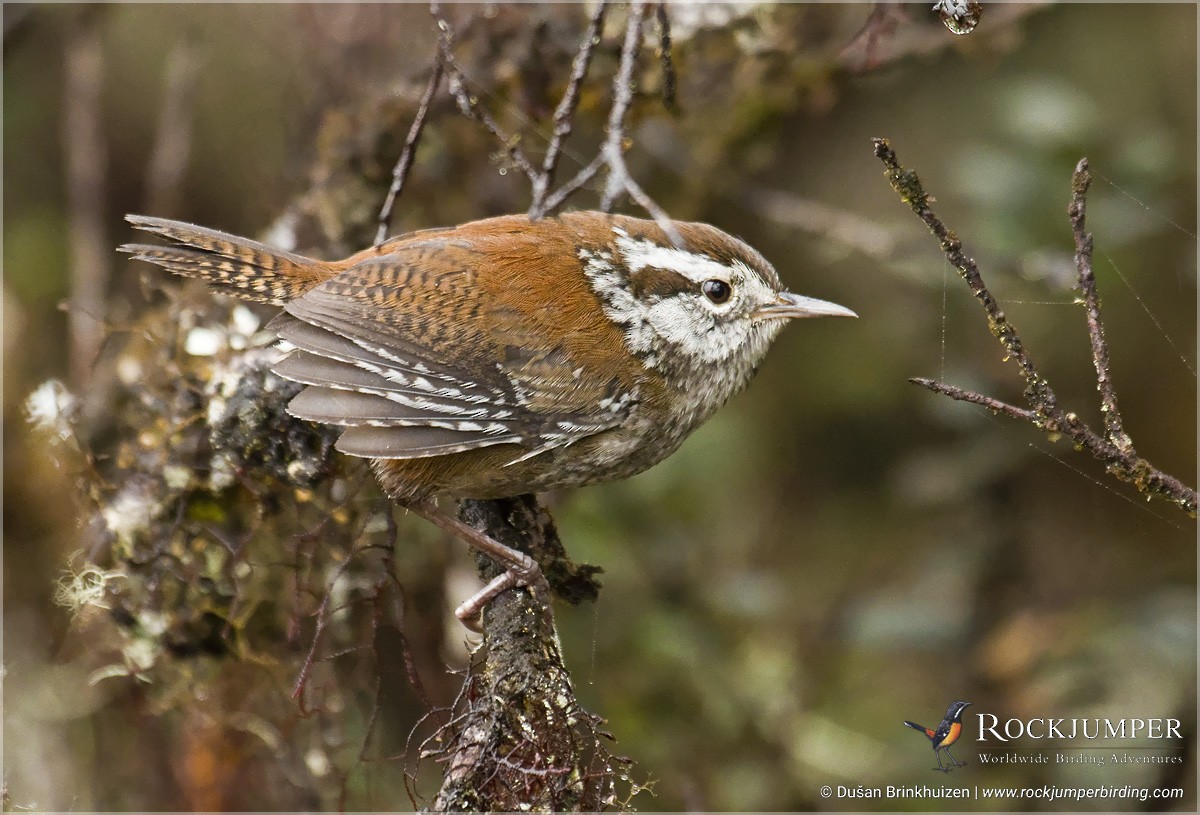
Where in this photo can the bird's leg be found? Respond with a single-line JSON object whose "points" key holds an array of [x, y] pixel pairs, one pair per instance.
{"points": [[937, 753], [519, 568], [957, 763]]}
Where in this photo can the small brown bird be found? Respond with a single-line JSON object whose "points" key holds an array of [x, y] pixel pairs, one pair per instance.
{"points": [[507, 355]]}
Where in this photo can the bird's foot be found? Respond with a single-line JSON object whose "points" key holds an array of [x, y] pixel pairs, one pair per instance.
{"points": [[524, 574], [520, 570]]}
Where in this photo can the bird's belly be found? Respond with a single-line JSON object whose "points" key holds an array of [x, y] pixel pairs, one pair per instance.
{"points": [[610, 456], [607, 456], [500, 472]]}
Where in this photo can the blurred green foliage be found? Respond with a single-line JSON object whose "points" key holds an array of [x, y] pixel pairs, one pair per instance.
{"points": [[837, 550]]}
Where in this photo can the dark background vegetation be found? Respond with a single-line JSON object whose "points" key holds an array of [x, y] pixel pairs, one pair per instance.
{"points": [[837, 550]]}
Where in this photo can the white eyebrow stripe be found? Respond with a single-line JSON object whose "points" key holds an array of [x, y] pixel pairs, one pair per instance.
{"points": [[639, 254]]}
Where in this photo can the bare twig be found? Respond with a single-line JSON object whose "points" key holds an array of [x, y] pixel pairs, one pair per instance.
{"points": [[173, 138], [974, 398], [1038, 392], [400, 173], [664, 56], [86, 176], [564, 192], [468, 103], [619, 180], [614, 147], [1116, 451], [564, 115], [310, 659], [1113, 429]]}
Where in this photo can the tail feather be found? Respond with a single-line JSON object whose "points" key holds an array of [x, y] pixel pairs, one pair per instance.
{"points": [[237, 266], [924, 730]]}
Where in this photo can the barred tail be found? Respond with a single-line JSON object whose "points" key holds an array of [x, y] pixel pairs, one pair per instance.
{"points": [[237, 266]]}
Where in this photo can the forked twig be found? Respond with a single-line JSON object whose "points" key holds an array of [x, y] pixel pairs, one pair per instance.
{"points": [[988, 402], [1114, 449], [556, 200], [619, 180]]}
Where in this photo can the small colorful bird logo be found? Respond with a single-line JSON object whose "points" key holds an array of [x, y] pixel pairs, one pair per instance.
{"points": [[945, 735]]}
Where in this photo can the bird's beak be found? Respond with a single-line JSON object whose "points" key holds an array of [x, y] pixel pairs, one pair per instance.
{"points": [[792, 306]]}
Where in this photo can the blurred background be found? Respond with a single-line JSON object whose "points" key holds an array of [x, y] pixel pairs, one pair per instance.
{"points": [[836, 551]]}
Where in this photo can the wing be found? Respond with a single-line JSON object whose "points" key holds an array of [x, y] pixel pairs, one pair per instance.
{"points": [[422, 352]]}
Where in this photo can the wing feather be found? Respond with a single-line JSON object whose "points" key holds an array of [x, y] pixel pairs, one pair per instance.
{"points": [[407, 386], [413, 442], [347, 407]]}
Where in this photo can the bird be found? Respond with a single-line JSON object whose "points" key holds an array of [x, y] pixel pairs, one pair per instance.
{"points": [[945, 734], [508, 355]]}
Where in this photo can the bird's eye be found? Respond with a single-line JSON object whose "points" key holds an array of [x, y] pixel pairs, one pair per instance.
{"points": [[718, 291]]}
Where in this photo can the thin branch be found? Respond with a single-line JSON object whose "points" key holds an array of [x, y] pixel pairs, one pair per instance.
{"points": [[1113, 428], [310, 659], [664, 56], [1116, 451], [467, 102], [564, 115], [400, 173], [647, 203], [614, 147], [619, 180], [974, 398], [575, 184], [1038, 392]]}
